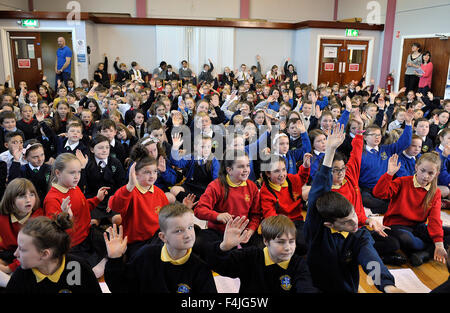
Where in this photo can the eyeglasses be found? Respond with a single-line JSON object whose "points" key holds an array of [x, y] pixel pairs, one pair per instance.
{"points": [[339, 170], [375, 135]]}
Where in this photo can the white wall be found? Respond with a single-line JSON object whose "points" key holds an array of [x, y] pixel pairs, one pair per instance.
{"points": [[274, 46], [415, 18], [193, 9], [13, 5], [292, 10], [94, 6], [302, 53], [351, 9]]}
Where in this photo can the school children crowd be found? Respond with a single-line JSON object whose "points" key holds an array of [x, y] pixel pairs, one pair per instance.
{"points": [[114, 175]]}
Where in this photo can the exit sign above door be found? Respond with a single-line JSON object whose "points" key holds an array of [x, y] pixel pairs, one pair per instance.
{"points": [[30, 23], [351, 32]]}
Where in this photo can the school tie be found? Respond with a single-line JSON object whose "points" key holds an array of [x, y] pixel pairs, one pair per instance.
{"points": [[68, 149], [35, 170], [101, 164], [138, 131], [163, 121], [373, 151], [306, 118]]}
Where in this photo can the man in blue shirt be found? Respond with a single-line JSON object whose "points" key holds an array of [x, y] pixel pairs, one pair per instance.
{"points": [[63, 62]]}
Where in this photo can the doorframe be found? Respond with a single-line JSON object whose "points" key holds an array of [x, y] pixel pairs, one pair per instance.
{"points": [[370, 51], [402, 42], [6, 46]]}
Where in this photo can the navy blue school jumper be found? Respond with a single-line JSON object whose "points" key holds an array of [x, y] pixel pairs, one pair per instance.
{"points": [[39, 177], [293, 156], [334, 258], [112, 175], [60, 147], [408, 165]]}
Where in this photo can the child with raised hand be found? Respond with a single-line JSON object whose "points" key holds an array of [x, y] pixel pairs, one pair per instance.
{"points": [[280, 146], [274, 269], [46, 267], [36, 170], [231, 194], [336, 246], [281, 194], [65, 195], [138, 203], [375, 161], [201, 167], [414, 212], [168, 268], [20, 202]]}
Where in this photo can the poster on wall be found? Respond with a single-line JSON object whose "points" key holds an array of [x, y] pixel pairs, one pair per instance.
{"points": [[23, 63], [329, 67], [353, 67], [447, 87], [330, 52]]}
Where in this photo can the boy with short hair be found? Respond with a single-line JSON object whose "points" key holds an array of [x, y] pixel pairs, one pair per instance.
{"points": [[171, 268], [14, 153], [8, 124], [336, 246], [73, 141], [422, 129], [108, 129], [274, 269]]}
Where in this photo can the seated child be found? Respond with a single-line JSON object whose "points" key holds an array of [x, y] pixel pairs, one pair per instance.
{"points": [[168, 268]]}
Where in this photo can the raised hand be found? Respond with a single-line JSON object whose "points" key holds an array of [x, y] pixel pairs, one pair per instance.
{"points": [[161, 164], [177, 141], [307, 160], [235, 233], [116, 245], [393, 165], [66, 206], [102, 192], [409, 117], [82, 158], [132, 180], [224, 217], [337, 136], [188, 201], [348, 104]]}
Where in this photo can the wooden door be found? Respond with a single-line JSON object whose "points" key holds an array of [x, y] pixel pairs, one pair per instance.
{"points": [[440, 54], [26, 57], [331, 59], [342, 60], [355, 60]]}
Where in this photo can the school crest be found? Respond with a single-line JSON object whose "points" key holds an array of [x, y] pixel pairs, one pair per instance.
{"points": [[183, 288], [425, 149], [247, 198], [47, 177], [113, 169], [285, 282], [157, 209], [383, 156]]}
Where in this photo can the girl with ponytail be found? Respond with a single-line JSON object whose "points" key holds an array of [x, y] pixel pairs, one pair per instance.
{"points": [[414, 212], [45, 265], [281, 193]]}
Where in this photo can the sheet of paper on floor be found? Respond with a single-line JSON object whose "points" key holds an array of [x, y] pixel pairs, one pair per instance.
{"points": [[445, 217], [406, 279], [227, 284]]}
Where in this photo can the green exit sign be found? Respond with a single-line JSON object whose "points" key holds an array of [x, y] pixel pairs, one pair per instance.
{"points": [[351, 32], [30, 23]]}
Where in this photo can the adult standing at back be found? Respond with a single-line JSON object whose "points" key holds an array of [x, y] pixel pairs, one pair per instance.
{"points": [[63, 62], [425, 74], [413, 63]]}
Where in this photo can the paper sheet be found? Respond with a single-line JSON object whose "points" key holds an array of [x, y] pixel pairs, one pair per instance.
{"points": [[445, 217], [227, 284], [407, 280], [104, 287]]}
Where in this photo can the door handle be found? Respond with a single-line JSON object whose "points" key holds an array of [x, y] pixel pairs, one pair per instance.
{"points": [[39, 64], [343, 67], [340, 67]]}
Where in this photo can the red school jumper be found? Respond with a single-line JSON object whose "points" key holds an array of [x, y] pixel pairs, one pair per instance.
{"points": [[9, 229], [288, 207], [80, 206], [139, 210], [350, 188], [405, 207], [242, 200]]}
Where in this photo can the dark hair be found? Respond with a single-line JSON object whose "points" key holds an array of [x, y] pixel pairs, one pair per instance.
{"points": [[332, 205], [31, 145], [106, 124], [339, 156], [7, 114], [11, 135], [50, 233], [15, 188], [97, 139], [416, 44], [229, 159], [145, 161]]}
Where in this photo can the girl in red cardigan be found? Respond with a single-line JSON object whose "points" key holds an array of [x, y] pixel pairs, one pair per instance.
{"points": [[19, 203], [139, 202], [281, 193], [414, 213], [230, 195], [65, 195]]}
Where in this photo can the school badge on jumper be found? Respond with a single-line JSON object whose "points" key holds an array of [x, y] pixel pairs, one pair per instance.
{"points": [[286, 282], [183, 288], [247, 198], [157, 209], [425, 149], [113, 169], [383, 156], [47, 177]]}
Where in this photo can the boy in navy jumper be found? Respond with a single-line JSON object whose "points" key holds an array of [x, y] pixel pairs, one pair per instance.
{"points": [[73, 141], [409, 156], [375, 161], [336, 247]]}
